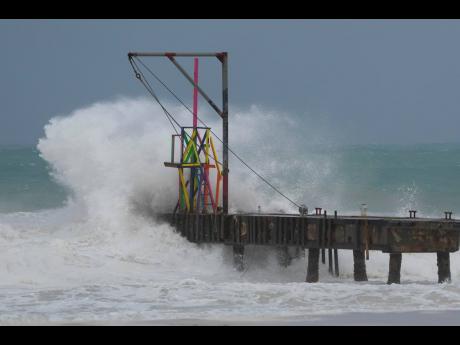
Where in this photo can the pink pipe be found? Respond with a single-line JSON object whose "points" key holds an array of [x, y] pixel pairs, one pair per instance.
{"points": [[195, 94]]}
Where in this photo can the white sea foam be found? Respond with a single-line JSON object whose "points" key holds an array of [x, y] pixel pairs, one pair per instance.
{"points": [[102, 257]]}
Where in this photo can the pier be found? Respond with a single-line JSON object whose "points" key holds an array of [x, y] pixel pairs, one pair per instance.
{"points": [[323, 233], [201, 213]]}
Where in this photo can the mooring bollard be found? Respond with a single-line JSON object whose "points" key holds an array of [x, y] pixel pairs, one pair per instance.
{"points": [[359, 263], [394, 272], [303, 210], [443, 267], [313, 265]]}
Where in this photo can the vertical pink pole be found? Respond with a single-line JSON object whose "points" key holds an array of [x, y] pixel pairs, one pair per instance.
{"points": [[195, 117], [195, 94]]}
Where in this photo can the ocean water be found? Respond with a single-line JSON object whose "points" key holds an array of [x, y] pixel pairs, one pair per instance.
{"points": [[78, 243]]}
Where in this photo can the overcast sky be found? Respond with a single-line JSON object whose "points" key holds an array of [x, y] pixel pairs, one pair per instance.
{"points": [[375, 81]]}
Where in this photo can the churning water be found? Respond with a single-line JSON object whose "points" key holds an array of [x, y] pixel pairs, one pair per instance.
{"points": [[77, 242]]}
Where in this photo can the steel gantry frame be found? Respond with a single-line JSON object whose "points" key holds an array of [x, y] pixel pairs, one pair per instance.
{"points": [[223, 113]]}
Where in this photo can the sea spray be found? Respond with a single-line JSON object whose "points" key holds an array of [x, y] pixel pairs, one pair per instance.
{"points": [[110, 154], [117, 160], [103, 257]]}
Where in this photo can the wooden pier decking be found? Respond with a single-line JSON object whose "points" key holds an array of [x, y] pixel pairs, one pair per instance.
{"points": [[318, 233]]}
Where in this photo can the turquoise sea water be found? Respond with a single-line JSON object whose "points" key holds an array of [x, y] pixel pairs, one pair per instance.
{"points": [[389, 178], [25, 182]]}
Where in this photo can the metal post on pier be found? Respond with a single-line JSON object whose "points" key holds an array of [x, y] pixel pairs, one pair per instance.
{"points": [[223, 57]]}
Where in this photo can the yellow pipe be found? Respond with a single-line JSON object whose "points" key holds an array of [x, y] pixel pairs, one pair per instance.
{"points": [[184, 188], [215, 155]]}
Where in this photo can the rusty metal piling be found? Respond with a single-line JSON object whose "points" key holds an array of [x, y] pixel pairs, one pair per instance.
{"points": [[394, 273], [329, 245], [313, 265], [323, 238], [336, 252], [443, 267], [359, 263], [238, 257]]}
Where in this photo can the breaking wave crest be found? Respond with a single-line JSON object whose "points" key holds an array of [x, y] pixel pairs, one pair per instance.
{"points": [[104, 245]]}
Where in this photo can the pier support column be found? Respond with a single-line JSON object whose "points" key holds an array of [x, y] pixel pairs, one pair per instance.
{"points": [[336, 262], [284, 258], [359, 266], [238, 257], [330, 261], [394, 272], [443, 267], [313, 265]]}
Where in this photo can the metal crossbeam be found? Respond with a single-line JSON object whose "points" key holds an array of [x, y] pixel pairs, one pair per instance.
{"points": [[184, 54]]}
